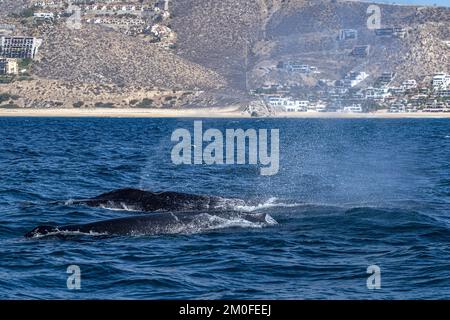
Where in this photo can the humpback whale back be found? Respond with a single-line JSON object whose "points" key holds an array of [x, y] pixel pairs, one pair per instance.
{"points": [[169, 213], [140, 200], [158, 223], [150, 201]]}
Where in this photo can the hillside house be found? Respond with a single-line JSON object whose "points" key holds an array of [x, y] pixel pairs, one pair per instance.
{"points": [[355, 108], [44, 16], [440, 81], [300, 68], [436, 106], [443, 92], [409, 84], [8, 66], [318, 106], [391, 32], [377, 94], [113, 9], [361, 51], [50, 3], [348, 34], [397, 90], [287, 104], [385, 79]]}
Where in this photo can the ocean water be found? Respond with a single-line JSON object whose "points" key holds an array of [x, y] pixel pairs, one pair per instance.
{"points": [[349, 194]]}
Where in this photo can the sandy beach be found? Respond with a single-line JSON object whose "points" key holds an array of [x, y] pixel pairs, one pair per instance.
{"points": [[228, 112]]}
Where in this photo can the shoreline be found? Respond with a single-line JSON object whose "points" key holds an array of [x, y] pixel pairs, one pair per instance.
{"points": [[204, 113]]}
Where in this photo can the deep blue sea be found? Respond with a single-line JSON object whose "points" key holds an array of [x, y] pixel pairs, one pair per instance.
{"points": [[349, 194]]}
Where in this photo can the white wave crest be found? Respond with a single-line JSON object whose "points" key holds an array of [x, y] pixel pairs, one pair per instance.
{"points": [[58, 232], [112, 206], [270, 203], [208, 222]]}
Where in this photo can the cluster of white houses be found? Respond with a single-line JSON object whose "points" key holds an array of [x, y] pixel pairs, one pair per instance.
{"points": [[348, 95], [132, 17], [105, 7]]}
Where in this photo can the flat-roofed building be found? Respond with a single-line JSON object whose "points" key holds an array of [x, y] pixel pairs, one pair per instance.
{"points": [[384, 32], [361, 51], [348, 34], [441, 81], [8, 66], [409, 84], [19, 47], [44, 15]]}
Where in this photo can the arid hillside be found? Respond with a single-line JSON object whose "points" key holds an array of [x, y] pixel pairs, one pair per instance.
{"points": [[96, 55]]}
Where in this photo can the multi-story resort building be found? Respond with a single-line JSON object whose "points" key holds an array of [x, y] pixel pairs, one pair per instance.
{"points": [[19, 47]]}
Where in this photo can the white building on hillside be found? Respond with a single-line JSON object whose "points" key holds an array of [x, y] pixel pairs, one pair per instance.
{"points": [[441, 81], [8, 66], [44, 15], [348, 34], [409, 84], [287, 104], [377, 93]]}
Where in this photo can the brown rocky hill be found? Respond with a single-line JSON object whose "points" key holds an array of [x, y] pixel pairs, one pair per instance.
{"points": [[98, 55], [241, 39], [217, 34], [12, 6], [308, 34]]}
